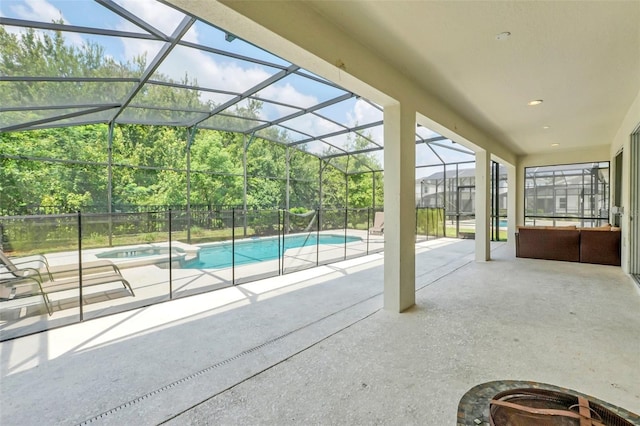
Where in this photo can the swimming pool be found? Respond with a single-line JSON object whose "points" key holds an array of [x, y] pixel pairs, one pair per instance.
{"points": [[257, 250]]}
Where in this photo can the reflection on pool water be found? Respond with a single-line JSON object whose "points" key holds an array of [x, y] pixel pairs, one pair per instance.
{"points": [[257, 250]]}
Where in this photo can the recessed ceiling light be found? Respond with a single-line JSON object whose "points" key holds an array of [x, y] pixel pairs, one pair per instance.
{"points": [[535, 102], [503, 36], [555, 144], [545, 127]]}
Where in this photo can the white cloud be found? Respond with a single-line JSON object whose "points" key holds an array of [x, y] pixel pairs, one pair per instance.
{"points": [[287, 94], [137, 47], [363, 112], [272, 111], [376, 134], [312, 125], [192, 35], [37, 10], [43, 11], [209, 72], [73, 39], [156, 15], [164, 18], [206, 70]]}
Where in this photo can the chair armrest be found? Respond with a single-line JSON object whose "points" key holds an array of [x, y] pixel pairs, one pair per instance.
{"points": [[57, 272], [9, 287], [12, 288], [97, 267], [5, 274], [37, 258]]}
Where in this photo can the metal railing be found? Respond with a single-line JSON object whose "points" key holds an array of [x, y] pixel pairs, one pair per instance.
{"points": [[121, 261], [56, 209]]}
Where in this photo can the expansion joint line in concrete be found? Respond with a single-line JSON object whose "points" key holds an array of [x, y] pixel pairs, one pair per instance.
{"points": [[233, 358], [444, 274], [274, 365], [311, 345]]}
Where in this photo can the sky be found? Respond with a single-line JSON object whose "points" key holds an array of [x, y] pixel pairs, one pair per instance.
{"points": [[208, 69]]}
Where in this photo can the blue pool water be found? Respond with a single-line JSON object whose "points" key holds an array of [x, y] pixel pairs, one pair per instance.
{"points": [[258, 250]]}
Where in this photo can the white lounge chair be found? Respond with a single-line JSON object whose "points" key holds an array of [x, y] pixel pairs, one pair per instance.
{"points": [[16, 281], [22, 266], [378, 224]]}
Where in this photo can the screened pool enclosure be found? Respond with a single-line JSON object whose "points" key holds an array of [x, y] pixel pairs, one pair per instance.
{"points": [[136, 135], [570, 194]]}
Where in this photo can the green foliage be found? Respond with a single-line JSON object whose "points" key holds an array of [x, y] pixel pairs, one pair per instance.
{"points": [[429, 221], [298, 210]]}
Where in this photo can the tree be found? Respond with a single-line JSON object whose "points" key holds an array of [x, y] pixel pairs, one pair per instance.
{"points": [[216, 179]]}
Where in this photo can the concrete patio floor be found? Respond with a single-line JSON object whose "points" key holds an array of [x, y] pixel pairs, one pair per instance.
{"points": [[315, 347]]}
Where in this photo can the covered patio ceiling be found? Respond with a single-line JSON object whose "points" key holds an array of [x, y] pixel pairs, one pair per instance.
{"points": [[155, 65]]}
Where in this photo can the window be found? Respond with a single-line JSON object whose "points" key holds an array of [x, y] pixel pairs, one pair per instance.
{"points": [[562, 203], [567, 194]]}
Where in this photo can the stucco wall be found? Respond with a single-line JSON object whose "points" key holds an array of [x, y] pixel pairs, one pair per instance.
{"points": [[622, 142]]}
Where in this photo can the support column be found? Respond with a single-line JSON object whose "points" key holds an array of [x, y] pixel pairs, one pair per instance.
{"points": [[399, 207], [483, 205], [512, 207]]}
